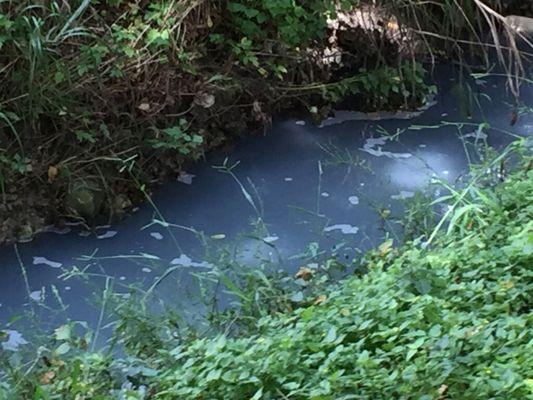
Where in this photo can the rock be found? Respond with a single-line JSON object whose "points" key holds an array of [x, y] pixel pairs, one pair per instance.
{"points": [[121, 204], [85, 199], [204, 99]]}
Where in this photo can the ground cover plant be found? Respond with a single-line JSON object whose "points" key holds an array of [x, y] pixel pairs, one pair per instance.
{"points": [[101, 100], [446, 315]]}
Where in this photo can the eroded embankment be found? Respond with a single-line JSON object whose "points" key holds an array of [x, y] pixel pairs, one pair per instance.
{"points": [[100, 102]]}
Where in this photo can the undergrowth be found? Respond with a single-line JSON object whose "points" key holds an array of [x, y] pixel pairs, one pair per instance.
{"points": [[444, 316]]}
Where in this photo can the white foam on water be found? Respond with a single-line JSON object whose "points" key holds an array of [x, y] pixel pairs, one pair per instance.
{"points": [[36, 295], [271, 239], [45, 261], [186, 261], [347, 115], [14, 340], [353, 200], [156, 235], [404, 194], [479, 135], [373, 146], [186, 178], [344, 228], [107, 235]]}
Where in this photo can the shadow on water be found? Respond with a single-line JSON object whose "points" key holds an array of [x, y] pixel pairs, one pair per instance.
{"points": [[263, 202]]}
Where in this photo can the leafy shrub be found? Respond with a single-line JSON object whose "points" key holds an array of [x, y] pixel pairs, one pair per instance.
{"points": [[385, 88], [293, 23], [452, 321], [176, 138]]}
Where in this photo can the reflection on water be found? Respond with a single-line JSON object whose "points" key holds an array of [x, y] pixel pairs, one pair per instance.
{"points": [[299, 184]]}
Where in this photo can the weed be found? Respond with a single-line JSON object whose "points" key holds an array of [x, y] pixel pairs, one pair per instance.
{"points": [[176, 138]]}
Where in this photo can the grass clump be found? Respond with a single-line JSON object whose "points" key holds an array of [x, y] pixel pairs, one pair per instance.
{"points": [[446, 320]]}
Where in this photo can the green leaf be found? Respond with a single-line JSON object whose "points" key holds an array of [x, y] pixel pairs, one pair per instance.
{"points": [[84, 136], [63, 348], [258, 395], [297, 297], [435, 331], [64, 332], [418, 343], [331, 335], [410, 354], [307, 314], [213, 375]]}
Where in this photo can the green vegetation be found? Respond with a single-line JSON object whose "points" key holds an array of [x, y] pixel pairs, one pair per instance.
{"points": [[102, 99], [447, 315], [113, 96]]}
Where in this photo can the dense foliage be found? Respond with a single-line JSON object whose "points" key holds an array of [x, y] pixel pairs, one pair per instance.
{"points": [[444, 317], [453, 321]]}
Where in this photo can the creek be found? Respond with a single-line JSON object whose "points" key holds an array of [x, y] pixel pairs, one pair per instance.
{"points": [[323, 184]]}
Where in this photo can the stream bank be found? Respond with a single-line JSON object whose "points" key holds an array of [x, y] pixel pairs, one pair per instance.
{"points": [[102, 103]]}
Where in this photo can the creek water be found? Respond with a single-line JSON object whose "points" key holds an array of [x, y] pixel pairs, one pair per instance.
{"points": [[308, 183]]}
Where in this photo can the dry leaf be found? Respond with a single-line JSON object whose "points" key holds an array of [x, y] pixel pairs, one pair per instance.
{"points": [[57, 363], [507, 285], [385, 248], [52, 173], [47, 377], [257, 107], [144, 107], [320, 299], [258, 113], [393, 25], [443, 389], [204, 99], [384, 213], [304, 273]]}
